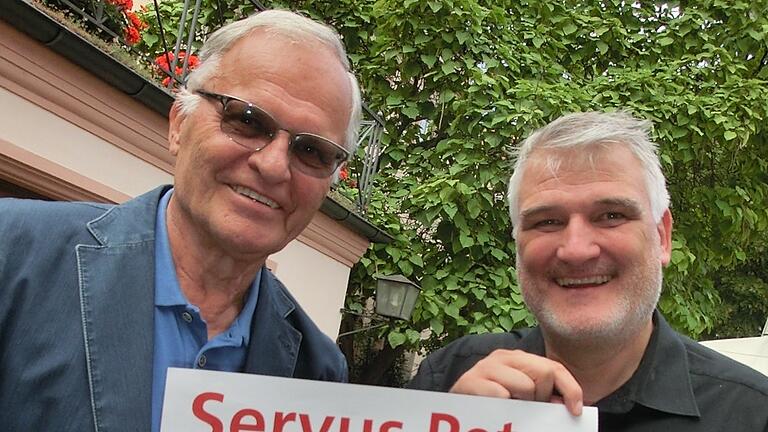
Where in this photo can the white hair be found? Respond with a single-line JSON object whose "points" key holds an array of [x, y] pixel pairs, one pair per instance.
{"points": [[592, 132], [281, 22]]}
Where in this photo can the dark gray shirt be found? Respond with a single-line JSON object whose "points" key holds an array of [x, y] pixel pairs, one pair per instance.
{"points": [[679, 386]]}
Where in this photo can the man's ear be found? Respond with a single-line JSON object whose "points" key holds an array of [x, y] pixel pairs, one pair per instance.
{"points": [[665, 236], [175, 122]]}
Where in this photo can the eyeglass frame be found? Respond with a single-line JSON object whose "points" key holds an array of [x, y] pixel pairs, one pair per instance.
{"points": [[224, 99]]}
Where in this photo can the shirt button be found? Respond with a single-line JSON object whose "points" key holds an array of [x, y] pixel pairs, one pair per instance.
{"points": [[187, 316], [201, 361]]}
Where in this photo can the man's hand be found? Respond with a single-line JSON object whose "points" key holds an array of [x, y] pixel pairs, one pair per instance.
{"points": [[520, 375]]}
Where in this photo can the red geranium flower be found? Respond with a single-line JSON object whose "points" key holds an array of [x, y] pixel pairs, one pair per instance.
{"points": [[122, 4], [163, 61], [135, 21], [131, 35], [193, 61]]}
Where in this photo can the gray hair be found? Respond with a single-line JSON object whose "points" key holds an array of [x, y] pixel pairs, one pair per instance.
{"points": [[593, 131], [280, 22]]}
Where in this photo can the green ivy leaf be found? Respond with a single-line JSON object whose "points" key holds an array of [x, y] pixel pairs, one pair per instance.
{"points": [[394, 100], [428, 59], [448, 67], [411, 112], [416, 260], [395, 339], [465, 240], [436, 325], [452, 311], [506, 323]]}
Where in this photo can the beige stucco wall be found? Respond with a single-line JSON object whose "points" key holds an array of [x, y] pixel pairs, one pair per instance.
{"points": [[47, 135], [318, 282]]}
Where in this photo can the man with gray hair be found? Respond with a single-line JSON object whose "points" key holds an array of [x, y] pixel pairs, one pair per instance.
{"points": [[593, 230], [98, 301]]}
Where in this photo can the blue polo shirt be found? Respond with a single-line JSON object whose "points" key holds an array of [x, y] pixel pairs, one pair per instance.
{"points": [[181, 334]]}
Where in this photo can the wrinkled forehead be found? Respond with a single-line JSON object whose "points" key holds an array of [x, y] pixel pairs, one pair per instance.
{"points": [[265, 54], [556, 160], [612, 164]]}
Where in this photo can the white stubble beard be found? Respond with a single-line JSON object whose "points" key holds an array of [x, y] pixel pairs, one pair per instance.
{"points": [[628, 316]]}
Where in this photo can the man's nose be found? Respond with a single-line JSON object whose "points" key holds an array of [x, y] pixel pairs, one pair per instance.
{"points": [[579, 242], [274, 159]]}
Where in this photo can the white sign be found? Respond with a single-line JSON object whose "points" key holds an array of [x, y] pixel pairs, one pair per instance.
{"points": [[205, 401]]}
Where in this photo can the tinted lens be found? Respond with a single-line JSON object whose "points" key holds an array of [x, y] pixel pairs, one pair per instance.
{"points": [[253, 128], [316, 155], [247, 124]]}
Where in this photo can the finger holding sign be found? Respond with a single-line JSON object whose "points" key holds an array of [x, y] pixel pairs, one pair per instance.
{"points": [[516, 374], [488, 378]]}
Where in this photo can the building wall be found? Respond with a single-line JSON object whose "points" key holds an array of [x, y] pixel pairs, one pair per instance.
{"points": [[32, 128], [65, 134], [310, 280]]}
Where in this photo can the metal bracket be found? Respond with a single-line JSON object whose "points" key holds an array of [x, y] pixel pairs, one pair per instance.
{"points": [[371, 317]]}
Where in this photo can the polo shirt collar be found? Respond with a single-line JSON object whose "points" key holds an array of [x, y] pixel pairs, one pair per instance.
{"points": [[241, 327], [661, 382]]}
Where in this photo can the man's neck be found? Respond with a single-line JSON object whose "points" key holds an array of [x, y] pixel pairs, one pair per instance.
{"points": [[604, 366], [211, 278]]}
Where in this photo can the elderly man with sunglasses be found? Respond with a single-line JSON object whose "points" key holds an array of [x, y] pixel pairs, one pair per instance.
{"points": [[97, 301]]}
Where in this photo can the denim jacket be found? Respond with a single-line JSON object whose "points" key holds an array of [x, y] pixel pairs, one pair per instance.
{"points": [[76, 317]]}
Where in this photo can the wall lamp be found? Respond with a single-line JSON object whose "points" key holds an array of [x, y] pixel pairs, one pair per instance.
{"points": [[395, 298]]}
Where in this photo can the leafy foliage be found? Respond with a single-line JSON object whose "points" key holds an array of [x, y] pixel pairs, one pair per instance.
{"points": [[460, 82]]}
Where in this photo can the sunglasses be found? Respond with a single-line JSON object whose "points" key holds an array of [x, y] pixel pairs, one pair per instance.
{"points": [[253, 128]]}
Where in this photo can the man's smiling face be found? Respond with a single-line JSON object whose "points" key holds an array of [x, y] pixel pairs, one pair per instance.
{"points": [[589, 253], [254, 203]]}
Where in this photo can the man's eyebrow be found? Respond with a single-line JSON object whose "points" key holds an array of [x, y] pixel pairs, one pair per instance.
{"points": [[627, 203], [533, 211]]}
